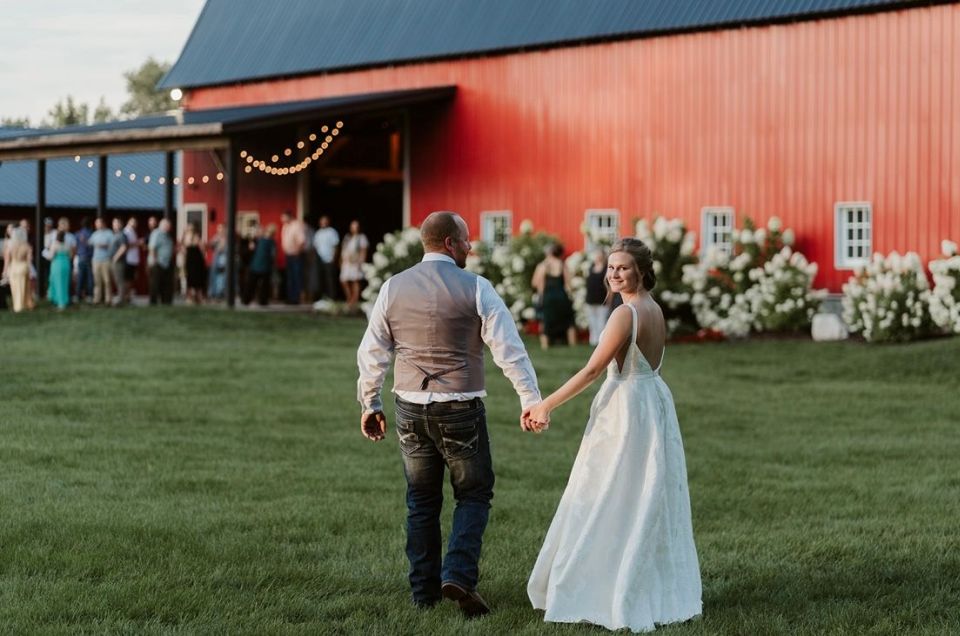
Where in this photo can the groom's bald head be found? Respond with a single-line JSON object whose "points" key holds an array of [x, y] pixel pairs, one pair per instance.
{"points": [[438, 227]]}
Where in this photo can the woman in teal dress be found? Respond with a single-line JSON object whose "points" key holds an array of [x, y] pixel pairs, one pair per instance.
{"points": [[59, 289]]}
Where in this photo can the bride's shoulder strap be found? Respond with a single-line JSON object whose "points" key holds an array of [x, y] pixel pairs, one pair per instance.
{"points": [[633, 329]]}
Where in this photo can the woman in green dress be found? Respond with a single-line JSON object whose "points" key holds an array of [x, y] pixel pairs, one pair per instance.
{"points": [[59, 289]]}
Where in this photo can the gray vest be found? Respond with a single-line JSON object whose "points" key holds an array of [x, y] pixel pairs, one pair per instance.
{"points": [[431, 310]]}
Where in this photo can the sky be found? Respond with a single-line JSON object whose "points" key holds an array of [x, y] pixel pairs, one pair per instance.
{"points": [[55, 48]]}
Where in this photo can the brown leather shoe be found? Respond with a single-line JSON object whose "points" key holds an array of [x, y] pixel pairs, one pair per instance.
{"points": [[471, 603]]}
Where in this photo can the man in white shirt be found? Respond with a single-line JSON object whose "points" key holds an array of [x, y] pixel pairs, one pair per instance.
{"points": [[325, 241], [132, 256], [435, 318]]}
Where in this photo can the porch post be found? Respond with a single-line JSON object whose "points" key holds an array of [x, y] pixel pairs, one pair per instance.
{"points": [[231, 184], [102, 188], [168, 188], [41, 211]]}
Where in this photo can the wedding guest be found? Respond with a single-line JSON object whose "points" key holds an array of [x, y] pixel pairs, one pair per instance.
{"points": [[353, 254], [101, 241], [325, 242], [58, 290], [49, 235], [84, 261], [218, 264], [195, 264], [131, 256], [19, 255], [292, 240], [118, 251], [552, 284], [160, 259], [261, 265], [598, 306]]}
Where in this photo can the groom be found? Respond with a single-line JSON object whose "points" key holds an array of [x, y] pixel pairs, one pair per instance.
{"points": [[435, 318]]}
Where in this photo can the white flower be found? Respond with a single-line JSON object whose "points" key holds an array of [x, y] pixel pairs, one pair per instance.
{"points": [[788, 237], [411, 235], [949, 248], [774, 224], [746, 236], [760, 235], [379, 260], [518, 264], [401, 249], [526, 226], [390, 239]]}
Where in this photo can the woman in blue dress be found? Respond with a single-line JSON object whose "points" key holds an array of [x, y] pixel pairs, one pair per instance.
{"points": [[59, 289]]}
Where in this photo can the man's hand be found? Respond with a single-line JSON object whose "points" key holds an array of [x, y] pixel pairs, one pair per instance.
{"points": [[535, 419], [373, 425]]}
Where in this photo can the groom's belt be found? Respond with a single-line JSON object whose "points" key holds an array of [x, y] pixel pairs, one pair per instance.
{"points": [[453, 405]]}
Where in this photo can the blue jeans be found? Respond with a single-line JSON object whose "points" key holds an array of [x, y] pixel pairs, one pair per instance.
{"points": [[84, 278], [451, 434], [294, 277]]}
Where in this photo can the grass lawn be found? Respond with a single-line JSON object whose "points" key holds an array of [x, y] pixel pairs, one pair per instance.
{"points": [[186, 470]]}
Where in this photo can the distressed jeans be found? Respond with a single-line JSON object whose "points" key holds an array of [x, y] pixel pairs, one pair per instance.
{"points": [[434, 436]]}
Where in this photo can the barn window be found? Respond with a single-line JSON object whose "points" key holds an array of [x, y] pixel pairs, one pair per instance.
{"points": [[716, 229], [603, 228], [853, 224], [496, 228]]}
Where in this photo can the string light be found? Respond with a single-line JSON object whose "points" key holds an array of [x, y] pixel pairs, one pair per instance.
{"points": [[284, 170], [252, 162]]}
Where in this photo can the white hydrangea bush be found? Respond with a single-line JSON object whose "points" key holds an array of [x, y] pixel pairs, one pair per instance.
{"points": [[945, 297], [717, 284], [782, 297], [888, 300], [578, 268], [673, 246], [516, 263], [398, 251], [764, 286]]}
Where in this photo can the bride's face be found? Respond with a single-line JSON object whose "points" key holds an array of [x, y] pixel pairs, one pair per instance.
{"points": [[622, 274]]}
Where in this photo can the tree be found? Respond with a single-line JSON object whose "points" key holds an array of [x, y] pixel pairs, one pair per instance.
{"points": [[102, 113], [66, 112], [14, 122], [145, 97]]}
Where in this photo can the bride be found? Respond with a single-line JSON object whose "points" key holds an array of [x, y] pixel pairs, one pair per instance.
{"points": [[620, 552]]}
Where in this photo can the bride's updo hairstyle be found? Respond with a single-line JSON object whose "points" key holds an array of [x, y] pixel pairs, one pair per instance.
{"points": [[642, 259]]}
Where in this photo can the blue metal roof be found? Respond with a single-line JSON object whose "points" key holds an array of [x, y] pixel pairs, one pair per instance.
{"points": [[72, 183], [214, 125], [237, 40]]}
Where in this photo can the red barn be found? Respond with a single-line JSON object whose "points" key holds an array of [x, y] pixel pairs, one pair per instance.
{"points": [[841, 117]]}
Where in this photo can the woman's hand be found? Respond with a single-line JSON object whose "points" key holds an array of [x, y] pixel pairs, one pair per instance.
{"points": [[536, 419]]}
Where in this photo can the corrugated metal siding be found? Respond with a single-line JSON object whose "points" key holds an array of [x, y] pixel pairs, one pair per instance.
{"points": [[73, 184], [236, 40], [780, 120]]}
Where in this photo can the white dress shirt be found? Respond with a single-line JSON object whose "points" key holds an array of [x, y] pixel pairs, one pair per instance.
{"points": [[497, 330]]}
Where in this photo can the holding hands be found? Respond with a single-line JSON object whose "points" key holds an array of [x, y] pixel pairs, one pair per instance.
{"points": [[536, 418]]}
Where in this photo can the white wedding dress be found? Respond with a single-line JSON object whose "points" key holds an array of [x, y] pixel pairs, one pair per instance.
{"points": [[620, 552]]}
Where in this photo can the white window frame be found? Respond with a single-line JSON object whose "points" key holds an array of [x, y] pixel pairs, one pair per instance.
{"points": [[247, 222], [184, 213], [862, 228], [604, 220], [709, 231], [488, 229]]}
